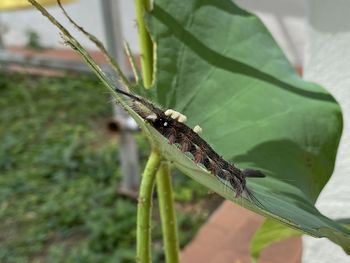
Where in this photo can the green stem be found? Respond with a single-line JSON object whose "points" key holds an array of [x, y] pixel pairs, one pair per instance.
{"points": [[146, 44], [165, 195], [144, 208], [167, 213]]}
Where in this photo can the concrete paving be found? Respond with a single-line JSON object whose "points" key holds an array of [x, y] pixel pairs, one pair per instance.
{"points": [[225, 239]]}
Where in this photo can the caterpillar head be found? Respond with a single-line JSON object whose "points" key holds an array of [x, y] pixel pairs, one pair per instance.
{"points": [[161, 122], [252, 173]]}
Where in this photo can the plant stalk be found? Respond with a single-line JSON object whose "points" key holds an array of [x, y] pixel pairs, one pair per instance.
{"points": [[146, 45], [143, 242], [144, 209], [164, 188], [167, 213]]}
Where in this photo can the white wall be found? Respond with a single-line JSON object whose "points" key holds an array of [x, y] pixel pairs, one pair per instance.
{"points": [[87, 13], [327, 61]]}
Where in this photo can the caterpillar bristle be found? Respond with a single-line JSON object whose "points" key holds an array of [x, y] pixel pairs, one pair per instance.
{"points": [[252, 198]]}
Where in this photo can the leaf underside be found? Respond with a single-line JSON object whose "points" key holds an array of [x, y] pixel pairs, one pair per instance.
{"points": [[219, 65]]}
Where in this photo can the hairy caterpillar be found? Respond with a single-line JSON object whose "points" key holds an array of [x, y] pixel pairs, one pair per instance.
{"points": [[179, 133], [189, 141]]}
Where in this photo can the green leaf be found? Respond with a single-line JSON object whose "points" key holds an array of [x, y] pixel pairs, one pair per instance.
{"points": [[269, 232], [219, 65], [345, 222]]}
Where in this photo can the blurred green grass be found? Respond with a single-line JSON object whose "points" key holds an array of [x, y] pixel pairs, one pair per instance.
{"points": [[59, 172]]}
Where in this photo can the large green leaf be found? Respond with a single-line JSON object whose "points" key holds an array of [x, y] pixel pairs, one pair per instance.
{"points": [[219, 65]]}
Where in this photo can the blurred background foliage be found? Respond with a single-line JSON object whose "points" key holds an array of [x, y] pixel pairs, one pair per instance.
{"points": [[59, 169]]}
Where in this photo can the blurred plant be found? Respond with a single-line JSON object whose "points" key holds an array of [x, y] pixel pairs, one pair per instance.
{"points": [[33, 40], [58, 199]]}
